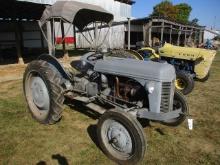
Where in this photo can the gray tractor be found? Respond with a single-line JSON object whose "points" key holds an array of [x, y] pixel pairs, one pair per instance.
{"points": [[122, 91]]}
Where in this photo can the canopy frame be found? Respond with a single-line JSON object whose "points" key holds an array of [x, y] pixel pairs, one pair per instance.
{"points": [[81, 15]]}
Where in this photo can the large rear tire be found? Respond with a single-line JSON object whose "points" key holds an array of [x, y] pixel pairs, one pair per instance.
{"points": [[121, 137], [125, 54], [179, 102], [43, 91], [184, 82]]}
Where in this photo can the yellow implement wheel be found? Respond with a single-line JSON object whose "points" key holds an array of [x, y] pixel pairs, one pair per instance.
{"points": [[180, 84], [184, 82]]}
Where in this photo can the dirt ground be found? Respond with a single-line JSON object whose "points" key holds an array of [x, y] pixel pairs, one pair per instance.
{"points": [[15, 71]]}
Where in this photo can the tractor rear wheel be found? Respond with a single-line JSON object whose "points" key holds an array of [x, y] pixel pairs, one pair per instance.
{"points": [[126, 54], [184, 82], [121, 137], [43, 91]]}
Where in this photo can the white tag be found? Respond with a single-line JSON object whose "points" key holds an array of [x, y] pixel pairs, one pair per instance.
{"points": [[190, 124]]}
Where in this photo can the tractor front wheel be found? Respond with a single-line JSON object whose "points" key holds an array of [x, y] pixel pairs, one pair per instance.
{"points": [[179, 102], [121, 137], [184, 82], [43, 91]]}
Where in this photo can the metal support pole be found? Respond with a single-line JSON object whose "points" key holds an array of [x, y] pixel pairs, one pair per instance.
{"points": [[95, 35], [65, 52], [129, 33]]}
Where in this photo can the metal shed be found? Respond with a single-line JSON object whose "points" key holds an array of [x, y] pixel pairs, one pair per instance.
{"points": [[19, 32]]}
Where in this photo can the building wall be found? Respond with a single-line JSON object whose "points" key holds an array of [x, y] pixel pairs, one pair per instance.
{"points": [[210, 35], [31, 35], [121, 11], [114, 39]]}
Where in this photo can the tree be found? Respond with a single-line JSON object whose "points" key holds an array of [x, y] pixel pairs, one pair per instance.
{"points": [[184, 11], [165, 9], [179, 12]]}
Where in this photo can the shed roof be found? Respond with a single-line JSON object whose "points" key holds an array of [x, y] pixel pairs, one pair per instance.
{"points": [[11, 9]]}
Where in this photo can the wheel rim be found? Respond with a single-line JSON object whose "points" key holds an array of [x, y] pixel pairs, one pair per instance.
{"points": [[37, 95], [117, 138], [180, 84]]}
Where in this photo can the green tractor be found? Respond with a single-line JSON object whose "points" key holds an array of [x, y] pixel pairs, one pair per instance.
{"points": [[190, 63]]}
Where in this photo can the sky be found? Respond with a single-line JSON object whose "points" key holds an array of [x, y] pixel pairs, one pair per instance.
{"points": [[207, 11]]}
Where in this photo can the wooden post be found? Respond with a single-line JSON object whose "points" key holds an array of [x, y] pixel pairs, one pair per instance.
{"points": [[195, 38], [185, 40], [200, 37], [19, 41], [162, 31], [171, 30], [178, 39], [203, 36], [65, 52], [149, 33], [129, 33], [42, 40], [144, 35], [74, 33], [190, 37], [49, 38]]}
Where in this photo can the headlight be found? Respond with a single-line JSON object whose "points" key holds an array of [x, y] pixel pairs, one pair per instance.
{"points": [[150, 87]]}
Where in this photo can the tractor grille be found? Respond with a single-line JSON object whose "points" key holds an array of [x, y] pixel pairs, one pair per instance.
{"points": [[167, 96]]}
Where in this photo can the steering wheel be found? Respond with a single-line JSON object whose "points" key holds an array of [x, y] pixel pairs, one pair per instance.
{"points": [[94, 57]]}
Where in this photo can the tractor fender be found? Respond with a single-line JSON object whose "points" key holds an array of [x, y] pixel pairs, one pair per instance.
{"points": [[53, 61]]}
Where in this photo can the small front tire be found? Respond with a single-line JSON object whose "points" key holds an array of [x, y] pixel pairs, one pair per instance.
{"points": [[121, 137], [179, 102]]}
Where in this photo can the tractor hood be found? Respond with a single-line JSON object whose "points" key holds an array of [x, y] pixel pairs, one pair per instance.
{"points": [[147, 70]]}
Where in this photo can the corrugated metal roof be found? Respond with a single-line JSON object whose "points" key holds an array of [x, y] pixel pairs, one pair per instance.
{"points": [[130, 2], [20, 10], [119, 9]]}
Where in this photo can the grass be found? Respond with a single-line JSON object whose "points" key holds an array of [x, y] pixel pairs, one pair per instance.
{"points": [[71, 141]]}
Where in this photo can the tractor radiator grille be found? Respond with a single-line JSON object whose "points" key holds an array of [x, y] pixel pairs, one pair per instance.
{"points": [[167, 96]]}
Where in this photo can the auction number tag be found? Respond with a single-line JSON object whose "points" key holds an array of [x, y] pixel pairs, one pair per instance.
{"points": [[190, 124]]}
